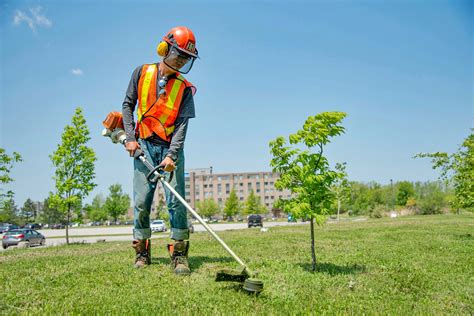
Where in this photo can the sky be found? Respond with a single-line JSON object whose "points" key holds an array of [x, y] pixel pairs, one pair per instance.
{"points": [[401, 70]]}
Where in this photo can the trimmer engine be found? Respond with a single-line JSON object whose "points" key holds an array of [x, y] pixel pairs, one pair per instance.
{"points": [[114, 129]]}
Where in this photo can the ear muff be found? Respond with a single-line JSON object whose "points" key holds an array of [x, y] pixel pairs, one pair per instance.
{"points": [[162, 49]]}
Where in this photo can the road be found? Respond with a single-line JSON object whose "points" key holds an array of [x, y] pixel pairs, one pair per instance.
{"points": [[55, 237]]}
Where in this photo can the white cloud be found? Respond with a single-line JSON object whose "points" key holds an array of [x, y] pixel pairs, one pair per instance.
{"points": [[40, 19], [34, 19], [77, 71]]}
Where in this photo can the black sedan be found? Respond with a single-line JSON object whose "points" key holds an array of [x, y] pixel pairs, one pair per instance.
{"points": [[28, 236]]}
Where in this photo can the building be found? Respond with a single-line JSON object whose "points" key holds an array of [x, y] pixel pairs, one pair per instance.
{"points": [[204, 184]]}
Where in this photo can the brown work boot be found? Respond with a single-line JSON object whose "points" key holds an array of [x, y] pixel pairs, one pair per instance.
{"points": [[179, 257], [142, 249]]}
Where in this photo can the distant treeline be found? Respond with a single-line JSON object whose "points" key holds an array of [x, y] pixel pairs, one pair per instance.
{"points": [[374, 199]]}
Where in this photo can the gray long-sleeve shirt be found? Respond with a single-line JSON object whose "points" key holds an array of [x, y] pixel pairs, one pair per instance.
{"points": [[186, 112]]}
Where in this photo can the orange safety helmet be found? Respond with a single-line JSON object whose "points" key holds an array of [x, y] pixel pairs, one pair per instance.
{"points": [[180, 37]]}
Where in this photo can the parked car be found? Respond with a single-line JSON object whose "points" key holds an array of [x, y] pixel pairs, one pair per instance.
{"points": [[29, 236], [9, 227], [58, 226], [255, 220], [32, 226], [4, 228], [158, 225]]}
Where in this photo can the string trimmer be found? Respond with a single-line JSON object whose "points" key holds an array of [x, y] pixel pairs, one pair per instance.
{"points": [[114, 129]]}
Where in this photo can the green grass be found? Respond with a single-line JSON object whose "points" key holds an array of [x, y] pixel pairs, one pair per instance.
{"points": [[411, 265]]}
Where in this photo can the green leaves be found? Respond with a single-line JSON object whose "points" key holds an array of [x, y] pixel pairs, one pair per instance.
{"points": [[306, 173], [117, 203], [207, 208], [232, 205], [6, 164], [253, 205], [318, 129], [457, 168], [74, 163]]}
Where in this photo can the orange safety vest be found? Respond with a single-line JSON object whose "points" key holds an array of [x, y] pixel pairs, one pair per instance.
{"points": [[158, 114]]}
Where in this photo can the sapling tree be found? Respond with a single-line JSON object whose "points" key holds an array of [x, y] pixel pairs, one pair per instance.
{"points": [[96, 211], [74, 162], [232, 205], [117, 203], [207, 208], [253, 205], [305, 171]]}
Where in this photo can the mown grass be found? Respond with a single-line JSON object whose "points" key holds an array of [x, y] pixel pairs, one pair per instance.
{"points": [[415, 265]]}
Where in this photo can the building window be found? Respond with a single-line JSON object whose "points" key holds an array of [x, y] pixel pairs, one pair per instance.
{"points": [[241, 198], [205, 186]]}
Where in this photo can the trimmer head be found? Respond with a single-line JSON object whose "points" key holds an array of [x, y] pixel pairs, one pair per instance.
{"points": [[250, 282], [253, 285]]}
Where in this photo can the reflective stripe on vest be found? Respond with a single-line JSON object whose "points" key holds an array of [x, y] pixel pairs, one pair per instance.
{"points": [[158, 114], [146, 87]]}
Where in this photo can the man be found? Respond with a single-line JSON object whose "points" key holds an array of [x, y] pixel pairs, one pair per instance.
{"points": [[165, 104]]}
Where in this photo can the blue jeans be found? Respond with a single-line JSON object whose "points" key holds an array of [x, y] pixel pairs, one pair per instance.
{"points": [[143, 192]]}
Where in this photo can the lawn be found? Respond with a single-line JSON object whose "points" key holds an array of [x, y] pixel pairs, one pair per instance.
{"points": [[419, 264]]}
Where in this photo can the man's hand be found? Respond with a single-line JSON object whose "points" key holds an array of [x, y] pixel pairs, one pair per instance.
{"points": [[131, 147], [168, 164]]}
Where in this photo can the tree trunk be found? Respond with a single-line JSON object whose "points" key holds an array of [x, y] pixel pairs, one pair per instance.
{"points": [[67, 224], [338, 208], [313, 255]]}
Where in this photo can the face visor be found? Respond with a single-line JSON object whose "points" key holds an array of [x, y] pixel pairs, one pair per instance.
{"points": [[179, 60]]}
